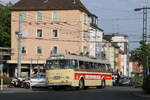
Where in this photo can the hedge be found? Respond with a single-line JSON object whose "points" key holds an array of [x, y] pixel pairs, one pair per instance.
{"points": [[146, 84], [6, 80]]}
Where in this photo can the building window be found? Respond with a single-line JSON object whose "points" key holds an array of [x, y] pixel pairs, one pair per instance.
{"points": [[39, 50], [23, 50], [22, 16], [54, 33], [56, 16], [54, 50], [39, 33], [39, 16]]}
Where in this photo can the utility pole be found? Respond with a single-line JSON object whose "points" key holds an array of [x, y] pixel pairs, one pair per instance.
{"points": [[1, 75], [31, 70], [145, 36], [147, 65], [144, 9], [19, 47]]}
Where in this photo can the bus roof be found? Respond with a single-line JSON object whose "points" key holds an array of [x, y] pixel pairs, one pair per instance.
{"points": [[77, 57]]}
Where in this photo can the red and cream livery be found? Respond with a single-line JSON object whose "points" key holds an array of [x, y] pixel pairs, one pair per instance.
{"points": [[77, 71]]}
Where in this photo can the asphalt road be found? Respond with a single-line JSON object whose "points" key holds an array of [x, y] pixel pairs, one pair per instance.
{"points": [[110, 93]]}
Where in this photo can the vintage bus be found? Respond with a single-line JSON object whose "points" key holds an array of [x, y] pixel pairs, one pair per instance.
{"points": [[77, 71]]}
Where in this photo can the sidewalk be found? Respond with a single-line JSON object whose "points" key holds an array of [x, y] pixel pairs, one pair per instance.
{"points": [[22, 90], [139, 92], [6, 89]]}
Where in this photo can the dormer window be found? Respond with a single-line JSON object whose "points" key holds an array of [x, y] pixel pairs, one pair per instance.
{"points": [[39, 16], [22, 16], [55, 16], [94, 20]]}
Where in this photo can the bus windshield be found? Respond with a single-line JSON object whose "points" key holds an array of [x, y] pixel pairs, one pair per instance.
{"points": [[61, 64]]}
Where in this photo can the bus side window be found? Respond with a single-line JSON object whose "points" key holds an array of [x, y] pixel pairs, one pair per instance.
{"points": [[73, 64], [96, 66], [109, 69], [81, 65], [87, 65], [103, 67]]}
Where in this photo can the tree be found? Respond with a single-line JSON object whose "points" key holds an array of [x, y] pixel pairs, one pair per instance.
{"points": [[141, 54], [5, 25]]}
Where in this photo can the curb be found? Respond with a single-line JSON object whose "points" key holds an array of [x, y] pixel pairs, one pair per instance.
{"points": [[140, 94]]}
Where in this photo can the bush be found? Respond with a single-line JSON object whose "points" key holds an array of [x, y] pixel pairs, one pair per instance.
{"points": [[6, 80], [146, 84]]}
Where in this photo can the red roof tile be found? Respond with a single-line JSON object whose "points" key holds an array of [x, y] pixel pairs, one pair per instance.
{"points": [[25, 5]]}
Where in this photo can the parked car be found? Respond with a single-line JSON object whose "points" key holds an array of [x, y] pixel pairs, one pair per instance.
{"points": [[125, 81], [38, 80]]}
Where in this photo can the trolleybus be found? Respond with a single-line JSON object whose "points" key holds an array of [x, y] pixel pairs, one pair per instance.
{"points": [[77, 71]]}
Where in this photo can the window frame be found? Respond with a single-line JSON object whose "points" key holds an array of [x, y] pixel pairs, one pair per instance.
{"points": [[52, 49], [22, 50], [37, 50], [38, 16], [54, 19], [20, 16], [37, 32], [57, 33]]}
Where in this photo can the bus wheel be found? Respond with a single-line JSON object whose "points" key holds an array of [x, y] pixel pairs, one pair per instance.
{"points": [[81, 84], [103, 83]]}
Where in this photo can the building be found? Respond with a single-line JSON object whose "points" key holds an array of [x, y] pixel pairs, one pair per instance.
{"points": [[135, 68], [5, 54], [95, 38], [111, 52], [122, 42], [116, 51], [45, 27]]}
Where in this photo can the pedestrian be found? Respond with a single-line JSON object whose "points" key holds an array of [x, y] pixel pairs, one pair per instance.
{"points": [[118, 78]]}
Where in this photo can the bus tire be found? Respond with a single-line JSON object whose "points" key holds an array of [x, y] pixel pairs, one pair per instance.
{"points": [[103, 83], [81, 84]]}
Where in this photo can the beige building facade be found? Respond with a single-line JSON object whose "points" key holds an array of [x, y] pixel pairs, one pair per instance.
{"points": [[46, 30]]}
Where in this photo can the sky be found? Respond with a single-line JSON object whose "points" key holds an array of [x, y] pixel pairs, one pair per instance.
{"points": [[118, 16]]}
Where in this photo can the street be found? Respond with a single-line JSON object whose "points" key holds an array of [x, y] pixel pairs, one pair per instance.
{"points": [[109, 93]]}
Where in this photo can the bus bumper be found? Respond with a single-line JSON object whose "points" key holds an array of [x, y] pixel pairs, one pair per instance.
{"points": [[59, 84]]}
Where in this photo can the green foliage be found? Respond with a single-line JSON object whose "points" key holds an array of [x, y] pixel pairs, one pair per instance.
{"points": [[5, 25], [146, 84], [6, 80], [140, 54]]}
